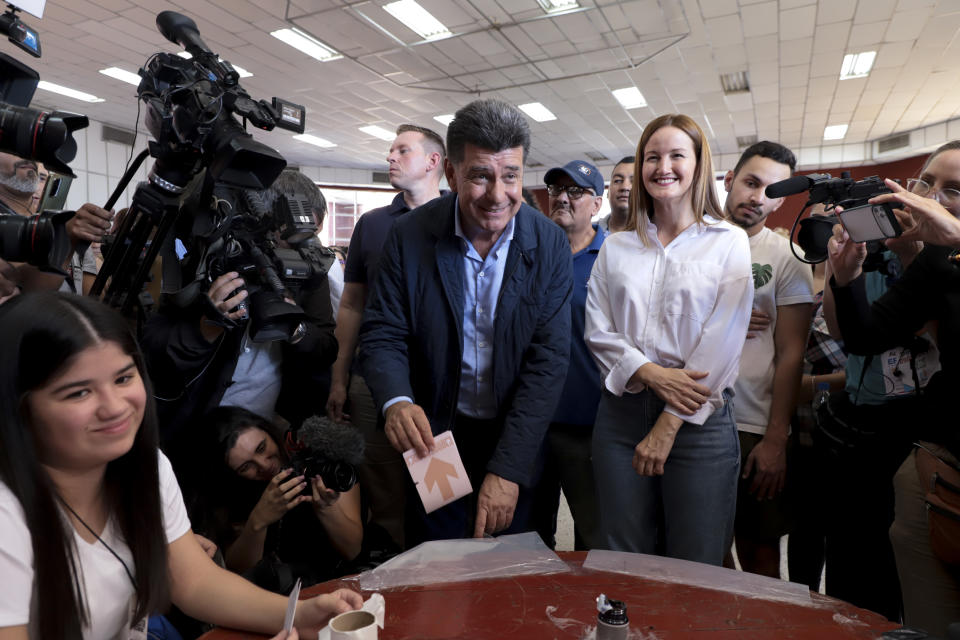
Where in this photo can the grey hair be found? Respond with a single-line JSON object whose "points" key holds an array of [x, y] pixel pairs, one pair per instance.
{"points": [[489, 124], [291, 181]]}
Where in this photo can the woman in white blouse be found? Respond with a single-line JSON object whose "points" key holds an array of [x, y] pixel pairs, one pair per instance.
{"points": [[667, 312]]}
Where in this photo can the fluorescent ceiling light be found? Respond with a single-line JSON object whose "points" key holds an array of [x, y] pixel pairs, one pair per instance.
{"points": [[122, 74], [538, 112], [735, 82], [418, 19], [857, 65], [66, 91], [835, 132], [556, 6], [307, 44], [243, 73], [630, 98], [445, 119], [309, 139], [379, 132]]}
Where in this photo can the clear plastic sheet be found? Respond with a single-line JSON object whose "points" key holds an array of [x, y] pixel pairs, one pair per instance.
{"points": [[462, 560], [699, 575]]}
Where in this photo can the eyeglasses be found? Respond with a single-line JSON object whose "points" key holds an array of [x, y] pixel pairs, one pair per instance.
{"points": [[573, 192], [947, 197]]}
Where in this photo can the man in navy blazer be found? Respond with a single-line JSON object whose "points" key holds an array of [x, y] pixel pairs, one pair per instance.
{"points": [[468, 326]]}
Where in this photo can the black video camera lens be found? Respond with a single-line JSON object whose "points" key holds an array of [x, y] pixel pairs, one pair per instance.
{"points": [[41, 240]]}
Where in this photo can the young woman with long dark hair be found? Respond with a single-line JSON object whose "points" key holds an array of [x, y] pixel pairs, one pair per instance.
{"points": [[95, 534]]}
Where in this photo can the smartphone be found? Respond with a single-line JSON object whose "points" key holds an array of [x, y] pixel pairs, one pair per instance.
{"points": [[870, 222]]}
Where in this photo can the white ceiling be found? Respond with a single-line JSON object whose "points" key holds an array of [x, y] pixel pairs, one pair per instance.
{"points": [[673, 50]]}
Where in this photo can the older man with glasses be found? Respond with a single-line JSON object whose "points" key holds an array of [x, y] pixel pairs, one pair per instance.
{"points": [[575, 195]]}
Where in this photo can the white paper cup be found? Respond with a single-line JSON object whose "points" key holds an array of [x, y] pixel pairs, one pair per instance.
{"points": [[354, 625]]}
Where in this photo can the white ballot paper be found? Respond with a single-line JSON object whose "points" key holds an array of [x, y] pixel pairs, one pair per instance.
{"points": [[440, 476], [292, 607]]}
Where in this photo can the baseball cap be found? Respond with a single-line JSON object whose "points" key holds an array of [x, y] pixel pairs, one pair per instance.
{"points": [[582, 173]]}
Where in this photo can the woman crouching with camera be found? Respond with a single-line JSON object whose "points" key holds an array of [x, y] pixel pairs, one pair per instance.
{"points": [[275, 520], [926, 530], [95, 533]]}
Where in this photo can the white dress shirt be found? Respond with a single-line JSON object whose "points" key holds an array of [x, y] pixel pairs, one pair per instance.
{"points": [[684, 306]]}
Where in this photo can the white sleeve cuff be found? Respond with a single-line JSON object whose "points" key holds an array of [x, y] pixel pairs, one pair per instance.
{"points": [[392, 401], [700, 416], [616, 381]]}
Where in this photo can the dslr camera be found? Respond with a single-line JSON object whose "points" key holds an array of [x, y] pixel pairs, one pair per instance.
{"points": [[328, 450]]}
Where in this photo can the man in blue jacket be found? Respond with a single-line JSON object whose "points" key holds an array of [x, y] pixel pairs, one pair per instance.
{"points": [[468, 326]]}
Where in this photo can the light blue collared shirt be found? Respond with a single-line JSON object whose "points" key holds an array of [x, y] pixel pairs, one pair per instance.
{"points": [[482, 281]]}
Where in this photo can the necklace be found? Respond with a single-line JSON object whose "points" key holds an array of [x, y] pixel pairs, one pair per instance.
{"points": [[101, 541]]}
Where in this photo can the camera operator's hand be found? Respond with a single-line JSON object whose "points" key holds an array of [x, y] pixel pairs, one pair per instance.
{"points": [[407, 427], [759, 321], [223, 299], [89, 224], [768, 464], [927, 220], [846, 256], [336, 401], [282, 494], [496, 502], [8, 281]]}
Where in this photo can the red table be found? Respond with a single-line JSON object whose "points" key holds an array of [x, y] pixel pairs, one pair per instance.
{"points": [[516, 608]]}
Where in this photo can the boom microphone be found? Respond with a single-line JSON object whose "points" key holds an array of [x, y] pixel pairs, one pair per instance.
{"points": [[334, 440]]}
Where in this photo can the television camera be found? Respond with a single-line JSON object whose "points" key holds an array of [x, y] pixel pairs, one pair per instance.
{"points": [[202, 184], [865, 222]]}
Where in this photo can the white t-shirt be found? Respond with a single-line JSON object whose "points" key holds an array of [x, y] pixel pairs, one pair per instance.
{"points": [[779, 280], [686, 305], [335, 278], [107, 588]]}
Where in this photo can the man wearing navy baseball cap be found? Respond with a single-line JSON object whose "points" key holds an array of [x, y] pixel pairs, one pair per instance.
{"points": [[576, 193]]}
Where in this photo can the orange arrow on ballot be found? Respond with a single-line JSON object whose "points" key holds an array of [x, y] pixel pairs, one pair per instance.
{"points": [[437, 475]]}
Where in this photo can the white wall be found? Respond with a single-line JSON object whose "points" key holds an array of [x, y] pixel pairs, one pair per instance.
{"points": [[99, 166]]}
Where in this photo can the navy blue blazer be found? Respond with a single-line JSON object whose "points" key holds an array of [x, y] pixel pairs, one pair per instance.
{"points": [[411, 337]]}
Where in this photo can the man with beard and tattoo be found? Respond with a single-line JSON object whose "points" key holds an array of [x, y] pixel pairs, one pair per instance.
{"points": [[19, 180], [575, 194], [772, 361], [621, 182]]}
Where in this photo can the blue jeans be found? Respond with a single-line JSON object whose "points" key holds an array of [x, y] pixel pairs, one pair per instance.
{"points": [[686, 513]]}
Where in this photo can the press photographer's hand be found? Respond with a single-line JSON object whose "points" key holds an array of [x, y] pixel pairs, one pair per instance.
{"points": [[89, 224], [282, 494]]}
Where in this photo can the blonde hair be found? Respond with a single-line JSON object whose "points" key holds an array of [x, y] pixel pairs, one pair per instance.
{"points": [[704, 196]]}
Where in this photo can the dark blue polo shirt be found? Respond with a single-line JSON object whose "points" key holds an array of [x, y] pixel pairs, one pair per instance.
{"points": [[366, 243], [581, 391]]}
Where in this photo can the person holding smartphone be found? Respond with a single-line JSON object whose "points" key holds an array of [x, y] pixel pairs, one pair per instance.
{"points": [[929, 290]]}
